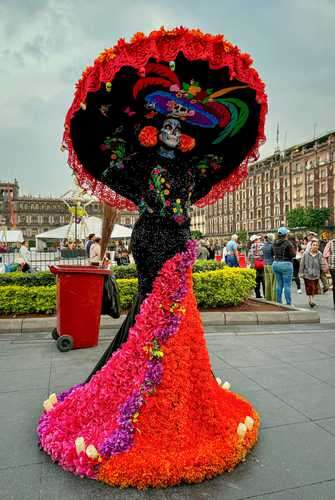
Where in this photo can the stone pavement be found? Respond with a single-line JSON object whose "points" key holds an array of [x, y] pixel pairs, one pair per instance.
{"points": [[286, 371]]}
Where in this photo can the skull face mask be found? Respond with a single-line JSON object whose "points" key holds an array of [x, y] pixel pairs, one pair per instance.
{"points": [[170, 133]]}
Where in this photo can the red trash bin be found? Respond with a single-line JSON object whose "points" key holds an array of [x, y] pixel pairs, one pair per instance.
{"points": [[79, 301]]}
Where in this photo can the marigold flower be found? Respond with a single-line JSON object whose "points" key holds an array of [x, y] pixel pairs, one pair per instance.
{"points": [[186, 143], [148, 136]]}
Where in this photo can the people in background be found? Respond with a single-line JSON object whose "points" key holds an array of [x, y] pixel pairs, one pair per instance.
{"points": [[329, 255], [95, 252], [118, 252], [310, 268], [256, 260], [296, 261], [211, 250], [203, 250], [89, 243], [304, 243], [269, 277], [124, 258], [323, 277], [232, 252], [224, 253], [282, 266], [25, 256], [71, 245]]}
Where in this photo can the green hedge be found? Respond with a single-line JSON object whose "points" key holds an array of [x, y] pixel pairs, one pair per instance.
{"points": [[224, 287], [46, 278], [17, 299], [43, 278]]}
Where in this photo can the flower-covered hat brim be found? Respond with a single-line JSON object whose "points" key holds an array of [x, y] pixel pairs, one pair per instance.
{"points": [[122, 78]]}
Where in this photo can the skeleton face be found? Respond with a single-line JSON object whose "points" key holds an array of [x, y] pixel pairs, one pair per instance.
{"points": [[170, 133]]}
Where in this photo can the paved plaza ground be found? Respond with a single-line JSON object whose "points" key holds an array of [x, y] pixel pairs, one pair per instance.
{"points": [[286, 371]]}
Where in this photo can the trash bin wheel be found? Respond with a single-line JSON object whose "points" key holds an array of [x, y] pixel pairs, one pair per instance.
{"points": [[65, 343], [55, 334]]}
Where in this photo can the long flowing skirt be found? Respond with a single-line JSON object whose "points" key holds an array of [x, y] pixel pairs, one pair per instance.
{"points": [[153, 415]]}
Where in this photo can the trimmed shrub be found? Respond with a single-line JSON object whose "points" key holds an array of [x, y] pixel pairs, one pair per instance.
{"points": [[17, 299], [45, 278], [125, 272], [128, 291], [202, 265], [224, 287]]}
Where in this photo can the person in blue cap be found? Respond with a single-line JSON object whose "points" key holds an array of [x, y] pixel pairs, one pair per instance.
{"points": [[282, 266]]}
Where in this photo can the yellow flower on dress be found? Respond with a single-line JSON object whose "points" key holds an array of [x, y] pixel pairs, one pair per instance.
{"points": [[80, 445], [241, 430], [92, 452]]}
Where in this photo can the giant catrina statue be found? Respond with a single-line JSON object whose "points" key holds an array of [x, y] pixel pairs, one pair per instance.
{"points": [[159, 124]]}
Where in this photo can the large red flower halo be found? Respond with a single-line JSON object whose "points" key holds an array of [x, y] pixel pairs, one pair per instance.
{"points": [[164, 45]]}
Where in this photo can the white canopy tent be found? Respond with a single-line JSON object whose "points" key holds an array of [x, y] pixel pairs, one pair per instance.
{"points": [[94, 225], [11, 236]]}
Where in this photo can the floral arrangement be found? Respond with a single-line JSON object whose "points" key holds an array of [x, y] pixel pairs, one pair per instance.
{"points": [[155, 393]]}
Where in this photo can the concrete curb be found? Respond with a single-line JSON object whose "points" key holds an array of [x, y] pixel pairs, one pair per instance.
{"points": [[291, 315]]}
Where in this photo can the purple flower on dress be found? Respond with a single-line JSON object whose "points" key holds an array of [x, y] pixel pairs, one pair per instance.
{"points": [[122, 438], [154, 373]]}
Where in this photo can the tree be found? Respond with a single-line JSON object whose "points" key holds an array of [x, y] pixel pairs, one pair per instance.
{"points": [[196, 235], [311, 218], [296, 217], [242, 236], [317, 217]]}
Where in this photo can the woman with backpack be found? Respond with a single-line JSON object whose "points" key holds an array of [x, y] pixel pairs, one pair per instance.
{"points": [[282, 266]]}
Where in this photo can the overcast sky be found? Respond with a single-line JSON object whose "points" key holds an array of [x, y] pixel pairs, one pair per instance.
{"points": [[45, 45]]}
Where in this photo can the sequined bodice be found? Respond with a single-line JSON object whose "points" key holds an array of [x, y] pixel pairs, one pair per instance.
{"points": [[168, 194]]}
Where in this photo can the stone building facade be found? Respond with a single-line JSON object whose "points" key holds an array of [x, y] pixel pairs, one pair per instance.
{"points": [[301, 176], [35, 214]]}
